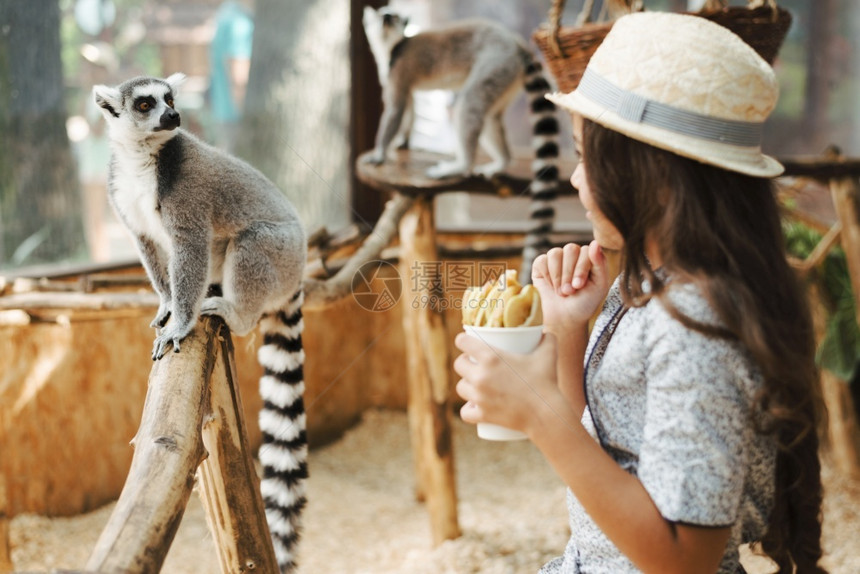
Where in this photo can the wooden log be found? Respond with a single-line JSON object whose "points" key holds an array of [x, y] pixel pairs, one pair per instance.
{"points": [[82, 301], [846, 200], [60, 270], [841, 433], [83, 284], [5, 553], [428, 358], [822, 168], [821, 250], [844, 428], [229, 486], [321, 292], [46, 367], [168, 449]]}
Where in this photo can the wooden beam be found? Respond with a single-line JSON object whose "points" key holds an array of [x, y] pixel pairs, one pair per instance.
{"points": [[321, 292], [78, 301], [229, 485], [60, 270], [168, 449], [821, 250], [820, 168], [843, 428], [846, 200], [192, 410], [429, 401], [842, 433], [5, 552]]}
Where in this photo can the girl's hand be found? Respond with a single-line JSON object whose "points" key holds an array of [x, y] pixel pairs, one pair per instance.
{"points": [[507, 389], [572, 282]]}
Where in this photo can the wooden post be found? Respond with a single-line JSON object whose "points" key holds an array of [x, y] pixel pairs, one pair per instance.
{"points": [[843, 427], [429, 403], [846, 200], [167, 451], [843, 433], [186, 391], [5, 553], [229, 486]]}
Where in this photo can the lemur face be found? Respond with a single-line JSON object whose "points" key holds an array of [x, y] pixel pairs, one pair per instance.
{"points": [[140, 107], [385, 24]]}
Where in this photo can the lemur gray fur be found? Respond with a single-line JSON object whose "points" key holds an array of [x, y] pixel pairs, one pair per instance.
{"points": [[204, 218], [488, 65]]}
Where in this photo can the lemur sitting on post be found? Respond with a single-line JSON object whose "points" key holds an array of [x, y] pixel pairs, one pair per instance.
{"points": [[200, 218], [488, 65]]}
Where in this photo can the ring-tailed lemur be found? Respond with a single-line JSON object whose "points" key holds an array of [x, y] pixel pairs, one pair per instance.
{"points": [[201, 218], [488, 65]]}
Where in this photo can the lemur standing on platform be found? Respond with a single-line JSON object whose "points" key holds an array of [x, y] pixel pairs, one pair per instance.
{"points": [[202, 218], [488, 65]]}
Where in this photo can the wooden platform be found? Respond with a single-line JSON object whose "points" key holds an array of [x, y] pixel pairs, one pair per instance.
{"points": [[405, 172]]}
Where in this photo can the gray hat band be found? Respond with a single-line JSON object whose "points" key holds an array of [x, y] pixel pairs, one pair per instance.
{"points": [[639, 109]]}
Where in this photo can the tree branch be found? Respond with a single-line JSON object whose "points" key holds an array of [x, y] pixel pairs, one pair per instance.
{"points": [[168, 449], [319, 292], [192, 412]]}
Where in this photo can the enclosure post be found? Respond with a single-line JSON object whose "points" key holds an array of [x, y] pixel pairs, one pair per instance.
{"points": [[229, 486], [429, 403], [192, 401], [846, 201], [5, 554], [167, 451], [843, 426], [843, 434]]}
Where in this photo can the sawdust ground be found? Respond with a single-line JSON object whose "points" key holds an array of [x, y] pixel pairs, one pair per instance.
{"points": [[362, 517]]}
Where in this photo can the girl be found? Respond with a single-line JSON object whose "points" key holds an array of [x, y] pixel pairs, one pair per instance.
{"points": [[685, 425]]}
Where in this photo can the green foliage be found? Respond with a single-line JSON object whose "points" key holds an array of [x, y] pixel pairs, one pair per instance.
{"points": [[839, 350]]}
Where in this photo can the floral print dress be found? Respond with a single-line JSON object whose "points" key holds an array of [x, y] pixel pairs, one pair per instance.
{"points": [[675, 408]]}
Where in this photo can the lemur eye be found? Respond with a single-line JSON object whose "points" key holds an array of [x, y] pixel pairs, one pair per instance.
{"points": [[144, 106], [169, 102]]}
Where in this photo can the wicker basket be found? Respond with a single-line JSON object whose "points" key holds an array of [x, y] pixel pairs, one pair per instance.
{"points": [[763, 28], [567, 49]]}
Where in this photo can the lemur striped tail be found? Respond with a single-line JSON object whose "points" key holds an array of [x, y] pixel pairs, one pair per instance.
{"points": [[544, 186], [284, 451]]}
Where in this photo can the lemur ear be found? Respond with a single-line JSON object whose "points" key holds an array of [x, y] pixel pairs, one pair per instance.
{"points": [[175, 80], [108, 99], [370, 16]]}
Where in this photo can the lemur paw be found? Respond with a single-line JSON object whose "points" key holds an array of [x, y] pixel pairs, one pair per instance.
{"points": [[445, 169], [171, 335], [217, 306], [375, 158], [490, 170], [161, 316], [238, 322]]}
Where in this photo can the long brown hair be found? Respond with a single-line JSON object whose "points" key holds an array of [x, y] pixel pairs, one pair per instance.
{"points": [[721, 230]]}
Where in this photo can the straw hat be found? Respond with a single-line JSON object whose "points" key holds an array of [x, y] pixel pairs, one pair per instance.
{"points": [[684, 84]]}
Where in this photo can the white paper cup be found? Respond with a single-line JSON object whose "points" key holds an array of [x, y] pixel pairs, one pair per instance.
{"points": [[521, 340]]}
